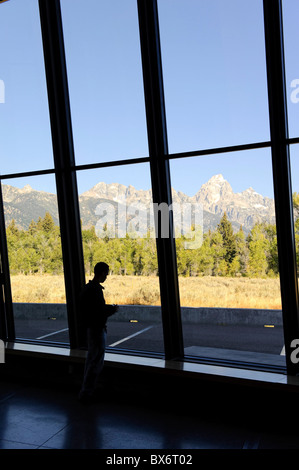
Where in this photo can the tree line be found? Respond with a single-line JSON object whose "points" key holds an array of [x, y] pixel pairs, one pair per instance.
{"points": [[222, 252]]}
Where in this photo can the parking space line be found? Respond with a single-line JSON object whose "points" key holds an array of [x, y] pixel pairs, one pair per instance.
{"points": [[51, 334], [131, 336], [283, 351]]}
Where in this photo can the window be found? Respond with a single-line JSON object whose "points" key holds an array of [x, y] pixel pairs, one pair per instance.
{"points": [[291, 37], [35, 259], [105, 79], [216, 95], [214, 69], [227, 261], [294, 153], [117, 228], [25, 142]]}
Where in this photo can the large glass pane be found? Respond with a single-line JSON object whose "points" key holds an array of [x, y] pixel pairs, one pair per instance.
{"points": [[291, 38], [35, 259], [105, 79], [294, 153], [214, 69], [227, 262], [25, 135], [115, 209]]}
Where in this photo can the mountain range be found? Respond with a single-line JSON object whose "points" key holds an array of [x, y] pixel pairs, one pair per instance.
{"points": [[214, 197]]}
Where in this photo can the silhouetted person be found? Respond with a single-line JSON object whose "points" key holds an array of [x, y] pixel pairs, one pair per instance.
{"points": [[94, 312]]}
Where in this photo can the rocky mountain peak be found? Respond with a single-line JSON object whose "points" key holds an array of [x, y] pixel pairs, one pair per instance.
{"points": [[217, 179], [216, 189], [214, 198], [27, 188]]}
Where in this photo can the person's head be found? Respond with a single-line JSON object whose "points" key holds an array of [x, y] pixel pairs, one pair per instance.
{"points": [[101, 271]]}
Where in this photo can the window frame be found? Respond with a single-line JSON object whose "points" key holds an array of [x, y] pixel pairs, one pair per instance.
{"points": [[65, 170]]}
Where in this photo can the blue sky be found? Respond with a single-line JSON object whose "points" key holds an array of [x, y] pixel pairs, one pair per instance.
{"points": [[215, 90]]}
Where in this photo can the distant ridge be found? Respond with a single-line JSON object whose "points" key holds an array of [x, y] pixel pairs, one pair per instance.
{"points": [[215, 196]]}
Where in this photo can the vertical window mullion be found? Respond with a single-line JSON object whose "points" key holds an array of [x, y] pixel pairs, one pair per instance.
{"points": [[7, 327], [160, 174], [63, 151], [282, 174]]}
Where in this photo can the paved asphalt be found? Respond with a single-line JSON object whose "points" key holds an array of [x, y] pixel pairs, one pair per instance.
{"points": [[149, 337]]}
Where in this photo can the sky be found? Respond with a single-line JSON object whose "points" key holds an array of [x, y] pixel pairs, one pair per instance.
{"points": [[215, 85]]}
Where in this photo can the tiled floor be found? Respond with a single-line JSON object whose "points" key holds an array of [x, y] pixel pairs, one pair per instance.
{"points": [[35, 417]]}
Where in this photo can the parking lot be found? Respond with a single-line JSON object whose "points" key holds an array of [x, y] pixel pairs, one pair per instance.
{"points": [[261, 343]]}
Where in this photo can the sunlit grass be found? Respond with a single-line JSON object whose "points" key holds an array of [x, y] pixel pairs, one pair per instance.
{"points": [[38, 288], [204, 291]]}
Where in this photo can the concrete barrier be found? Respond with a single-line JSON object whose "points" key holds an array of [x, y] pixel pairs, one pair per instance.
{"points": [[152, 314], [27, 311]]}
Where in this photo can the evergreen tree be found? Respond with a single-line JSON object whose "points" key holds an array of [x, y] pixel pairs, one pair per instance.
{"points": [[222, 253], [182, 257], [272, 253], [90, 242], [47, 223], [258, 246], [12, 228], [149, 256], [229, 243], [296, 201], [205, 256], [219, 252], [242, 253], [32, 227]]}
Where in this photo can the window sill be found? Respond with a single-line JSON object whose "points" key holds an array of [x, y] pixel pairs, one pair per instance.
{"points": [[158, 365]]}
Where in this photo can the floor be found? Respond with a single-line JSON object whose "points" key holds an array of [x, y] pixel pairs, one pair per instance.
{"points": [[42, 417]]}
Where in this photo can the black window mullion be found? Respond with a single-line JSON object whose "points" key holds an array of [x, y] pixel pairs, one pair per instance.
{"points": [[7, 326], [64, 160], [282, 174], [160, 173]]}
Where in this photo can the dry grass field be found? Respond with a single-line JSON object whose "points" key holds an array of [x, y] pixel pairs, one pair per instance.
{"points": [[194, 291]]}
